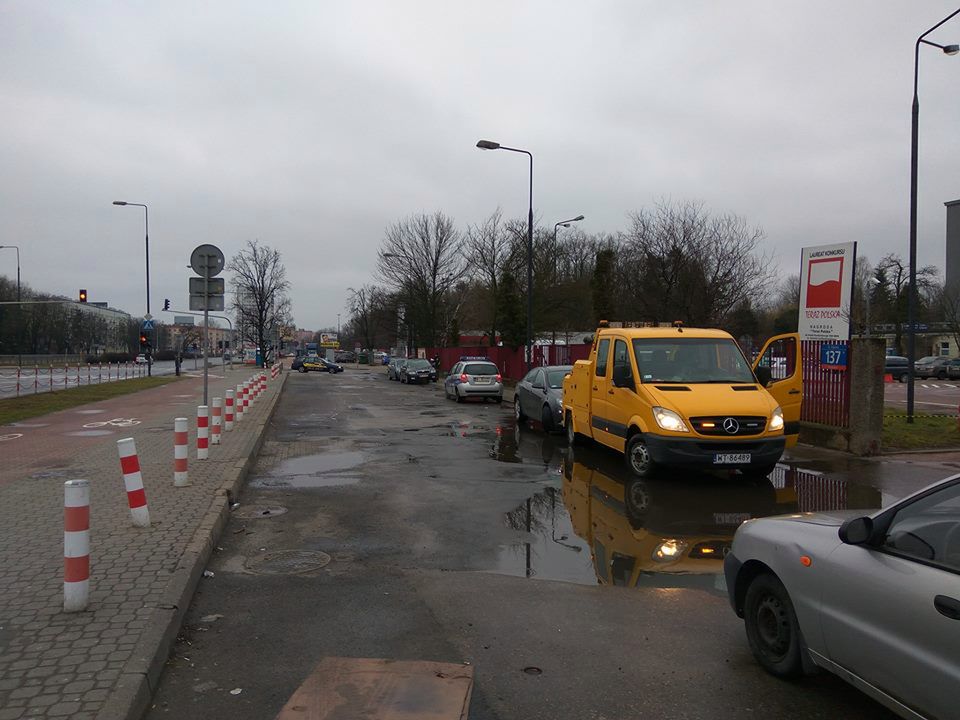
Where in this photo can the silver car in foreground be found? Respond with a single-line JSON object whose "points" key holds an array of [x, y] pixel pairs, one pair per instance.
{"points": [[874, 599], [540, 396]]}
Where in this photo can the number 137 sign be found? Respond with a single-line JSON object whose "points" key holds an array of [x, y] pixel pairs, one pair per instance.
{"points": [[833, 356]]}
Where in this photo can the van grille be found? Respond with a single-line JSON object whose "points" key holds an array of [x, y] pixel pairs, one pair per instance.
{"points": [[744, 425]]}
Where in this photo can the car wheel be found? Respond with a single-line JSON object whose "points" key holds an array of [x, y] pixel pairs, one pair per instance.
{"points": [[302, 369], [499, 399], [546, 419], [904, 377], [941, 376], [638, 457], [518, 411], [573, 437], [772, 628]]}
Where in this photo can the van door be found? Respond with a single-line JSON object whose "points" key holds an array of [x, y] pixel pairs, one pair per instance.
{"points": [[781, 355], [600, 390]]}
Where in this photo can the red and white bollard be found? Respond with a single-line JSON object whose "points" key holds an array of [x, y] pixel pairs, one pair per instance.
{"points": [[247, 400], [76, 545], [239, 402], [228, 411], [203, 432], [263, 382], [216, 419], [133, 480], [180, 451]]}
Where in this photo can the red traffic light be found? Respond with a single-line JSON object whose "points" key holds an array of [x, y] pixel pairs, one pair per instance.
{"points": [[143, 339], [83, 295]]}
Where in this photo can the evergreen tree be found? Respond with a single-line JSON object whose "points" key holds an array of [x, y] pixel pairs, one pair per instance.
{"points": [[601, 285], [509, 311]]}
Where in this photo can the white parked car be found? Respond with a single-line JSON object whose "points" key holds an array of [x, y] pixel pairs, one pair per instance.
{"points": [[141, 359], [874, 599]]}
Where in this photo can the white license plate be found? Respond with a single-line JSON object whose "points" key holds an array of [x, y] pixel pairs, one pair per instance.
{"points": [[481, 381], [730, 458]]}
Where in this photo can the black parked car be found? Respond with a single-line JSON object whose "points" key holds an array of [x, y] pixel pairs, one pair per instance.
{"points": [[418, 371], [897, 366], [394, 367]]}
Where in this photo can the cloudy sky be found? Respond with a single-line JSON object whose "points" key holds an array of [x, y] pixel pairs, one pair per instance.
{"points": [[311, 126]]}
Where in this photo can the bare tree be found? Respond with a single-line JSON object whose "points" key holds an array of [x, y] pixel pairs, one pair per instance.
{"points": [[422, 258], [365, 305], [894, 274], [261, 304], [488, 248]]}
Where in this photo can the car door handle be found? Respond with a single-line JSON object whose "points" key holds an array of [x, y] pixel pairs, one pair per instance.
{"points": [[609, 392], [794, 392], [595, 387], [947, 606]]}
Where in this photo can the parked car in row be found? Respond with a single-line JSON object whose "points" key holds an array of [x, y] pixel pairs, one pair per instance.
{"points": [[474, 377], [539, 395], [874, 599], [937, 367], [394, 367], [897, 366], [417, 370], [315, 363]]}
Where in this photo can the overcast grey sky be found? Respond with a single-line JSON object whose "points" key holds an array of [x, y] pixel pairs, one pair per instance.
{"points": [[311, 126]]}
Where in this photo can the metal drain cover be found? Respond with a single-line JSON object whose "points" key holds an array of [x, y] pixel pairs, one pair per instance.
{"points": [[259, 511], [287, 562]]}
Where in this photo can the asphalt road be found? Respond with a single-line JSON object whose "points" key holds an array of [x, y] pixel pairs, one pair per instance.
{"points": [[384, 521], [931, 397]]}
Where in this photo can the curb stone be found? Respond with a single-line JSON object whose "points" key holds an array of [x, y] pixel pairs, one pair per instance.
{"points": [[131, 695]]}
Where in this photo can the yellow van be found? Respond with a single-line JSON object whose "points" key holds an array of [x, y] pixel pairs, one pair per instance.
{"points": [[686, 397]]}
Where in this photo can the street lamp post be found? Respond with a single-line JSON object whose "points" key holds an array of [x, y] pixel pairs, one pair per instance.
{"points": [[566, 224], [914, 133], [146, 237], [19, 306], [490, 145]]}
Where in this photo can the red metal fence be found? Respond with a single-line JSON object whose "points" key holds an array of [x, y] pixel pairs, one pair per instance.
{"points": [[826, 393]]}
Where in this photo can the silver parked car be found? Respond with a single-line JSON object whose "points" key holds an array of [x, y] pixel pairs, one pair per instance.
{"points": [[874, 599], [540, 396], [474, 377]]}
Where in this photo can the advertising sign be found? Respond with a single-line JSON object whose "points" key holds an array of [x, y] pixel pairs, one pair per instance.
{"points": [[329, 340], [826, 291]]}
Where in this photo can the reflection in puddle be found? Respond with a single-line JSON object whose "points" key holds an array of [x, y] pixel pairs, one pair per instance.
{"points": [[604, 526], [513, 444], [314, 471]]}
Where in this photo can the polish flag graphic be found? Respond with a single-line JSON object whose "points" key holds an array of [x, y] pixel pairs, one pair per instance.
{"points": [[823, 283]]}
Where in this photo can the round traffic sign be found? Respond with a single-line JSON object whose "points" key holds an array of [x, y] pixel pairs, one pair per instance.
{"points": [[207, 260]]}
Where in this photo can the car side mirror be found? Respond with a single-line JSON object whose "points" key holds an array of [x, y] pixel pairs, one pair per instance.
{"points": [[622, 377], [856, 531], [764, 375], [537, 386]]}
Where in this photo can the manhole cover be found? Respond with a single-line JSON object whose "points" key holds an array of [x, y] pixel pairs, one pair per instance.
{"points": [[287, 562], [259, 511]]}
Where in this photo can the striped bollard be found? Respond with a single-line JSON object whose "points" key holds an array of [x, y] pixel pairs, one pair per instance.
{"points": [[203, 432], [216, 421], [76, 545], [238, 403], [228, 411], [180, 477], [254, 390], [133, 480], [263, 382], [246, 396]]}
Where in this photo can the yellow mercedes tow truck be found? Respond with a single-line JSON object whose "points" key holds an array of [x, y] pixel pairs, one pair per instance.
{"points": [[686, 397]]}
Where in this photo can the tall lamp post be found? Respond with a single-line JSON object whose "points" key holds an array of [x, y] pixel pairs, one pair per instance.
{"points": [[914, 130], [19, 306], [490, 145], [556, 226], [146, 237]]}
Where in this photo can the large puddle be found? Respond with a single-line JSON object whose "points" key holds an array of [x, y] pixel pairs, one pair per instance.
{"points": [[595, 523], [314, 471]]}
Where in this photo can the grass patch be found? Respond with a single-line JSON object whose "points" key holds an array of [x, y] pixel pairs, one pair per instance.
{"points": [[927, 432], [31, 406]]}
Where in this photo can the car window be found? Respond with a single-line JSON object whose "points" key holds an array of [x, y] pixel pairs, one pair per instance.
{"points": [[481, 369], [538, 379], [603, 349], [528, 378], [455, 370], [555, 377], [928, 529], [418, 364], [620, 357]]}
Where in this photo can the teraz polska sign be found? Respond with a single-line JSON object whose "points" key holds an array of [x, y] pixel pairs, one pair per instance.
{"points": [[826, 291]]}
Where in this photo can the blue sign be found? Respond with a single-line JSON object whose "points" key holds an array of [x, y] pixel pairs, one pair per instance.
{"points": [[833, 356], [148, 325]]}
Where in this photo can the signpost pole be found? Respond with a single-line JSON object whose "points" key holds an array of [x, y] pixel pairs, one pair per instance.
{"points": [[206, 332]]}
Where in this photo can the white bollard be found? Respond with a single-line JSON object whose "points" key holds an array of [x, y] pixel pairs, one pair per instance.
{"points": [[216, 418], [133, 480], [180, 452], [76, 545], [203, 432]]}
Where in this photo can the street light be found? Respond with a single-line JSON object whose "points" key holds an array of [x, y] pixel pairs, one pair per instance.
{"points": [[566, 224], [146, 236], [19, 306], [914, 131], [407, 319], [490, 145]]}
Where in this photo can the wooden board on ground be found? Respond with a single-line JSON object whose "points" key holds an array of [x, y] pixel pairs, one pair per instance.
{"points": [[351, 688]]}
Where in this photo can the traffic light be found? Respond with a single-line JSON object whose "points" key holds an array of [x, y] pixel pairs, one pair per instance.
{"points": [[166, 304], [83, 295], [143, 338]]}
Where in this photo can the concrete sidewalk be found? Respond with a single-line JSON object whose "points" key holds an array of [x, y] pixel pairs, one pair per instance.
{"points": [[105, 662]]}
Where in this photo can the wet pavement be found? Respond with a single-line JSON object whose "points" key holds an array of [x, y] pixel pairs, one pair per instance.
{"points": [[385, 521]]}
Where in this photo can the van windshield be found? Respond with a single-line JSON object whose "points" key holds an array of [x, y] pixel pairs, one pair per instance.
{"points": [[691, 360]]}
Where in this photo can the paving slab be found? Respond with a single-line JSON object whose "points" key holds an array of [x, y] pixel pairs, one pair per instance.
{"points": [[105, 662]]}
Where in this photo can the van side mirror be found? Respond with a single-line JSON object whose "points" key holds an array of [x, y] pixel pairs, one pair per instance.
{"points": [[764, 375], [622, 377], [856, 531]]}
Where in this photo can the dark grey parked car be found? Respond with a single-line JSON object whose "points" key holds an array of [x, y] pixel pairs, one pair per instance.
{"points": [[394, 367], [540, 396], [933, 367], [897, 366]]}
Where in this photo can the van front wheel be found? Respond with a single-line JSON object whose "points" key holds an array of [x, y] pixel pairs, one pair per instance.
{"points": [[638, 457], [573, 437]]}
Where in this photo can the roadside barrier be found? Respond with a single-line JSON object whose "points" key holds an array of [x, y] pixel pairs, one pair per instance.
{"points": [[274, 371], [239, 402], [180, 477], [263, 382], [246, 395], [21, 381], [888, 378], [133, 480], [76, 545], [216, 418], [203, 432], [228, 411]]}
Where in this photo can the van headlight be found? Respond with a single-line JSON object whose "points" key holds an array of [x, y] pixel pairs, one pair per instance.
{"points": [[669, 550], [669, 420], [776, 419]]}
